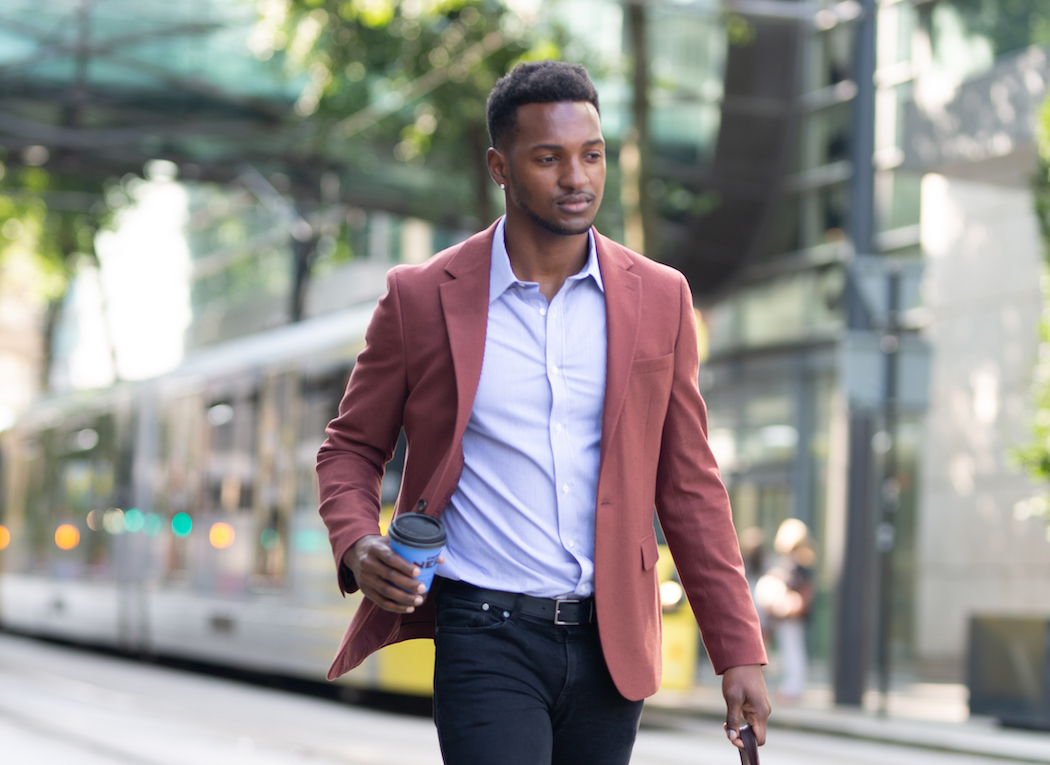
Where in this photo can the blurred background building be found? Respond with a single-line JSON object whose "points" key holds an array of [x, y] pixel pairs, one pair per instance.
{"points": [[847, 185]]}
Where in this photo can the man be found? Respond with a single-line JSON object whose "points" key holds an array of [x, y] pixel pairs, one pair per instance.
{"points": [[546, 381]]}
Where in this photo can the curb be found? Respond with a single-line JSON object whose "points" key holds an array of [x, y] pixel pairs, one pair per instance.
{"points": [[980, 736]]}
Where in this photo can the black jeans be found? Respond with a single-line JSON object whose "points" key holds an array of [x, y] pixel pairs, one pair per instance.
{"points": [[511, 689]]}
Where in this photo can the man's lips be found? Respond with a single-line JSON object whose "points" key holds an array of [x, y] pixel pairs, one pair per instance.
{"points": [[575, 202]]}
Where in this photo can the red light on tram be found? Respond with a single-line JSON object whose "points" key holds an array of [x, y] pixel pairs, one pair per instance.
{"points": [[67, 536]]}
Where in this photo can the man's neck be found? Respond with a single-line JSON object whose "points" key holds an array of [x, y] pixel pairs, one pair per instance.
{"points": [[538, 255]]}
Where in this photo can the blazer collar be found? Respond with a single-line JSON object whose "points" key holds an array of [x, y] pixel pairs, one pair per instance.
{"points": [[464, 303], [474, 253], [623, 304]]}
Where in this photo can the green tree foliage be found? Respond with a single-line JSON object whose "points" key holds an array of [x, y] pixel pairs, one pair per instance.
{"points": [[1036, 455], [50, 236], [1009, 24], [53, 220], [406, 80]]}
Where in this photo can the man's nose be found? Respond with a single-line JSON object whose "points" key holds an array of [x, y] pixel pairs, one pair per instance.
{"points": [[574, 177]]}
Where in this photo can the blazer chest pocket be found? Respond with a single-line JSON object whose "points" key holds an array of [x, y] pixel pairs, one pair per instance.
{"points": [[650, 552], [654, 364]]}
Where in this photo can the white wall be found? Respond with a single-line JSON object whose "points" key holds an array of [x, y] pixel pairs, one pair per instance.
{"points": [[982, 289]]}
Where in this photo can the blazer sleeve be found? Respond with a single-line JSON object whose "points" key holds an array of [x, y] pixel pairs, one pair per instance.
{"points": [[361, 440], [693, 508]]}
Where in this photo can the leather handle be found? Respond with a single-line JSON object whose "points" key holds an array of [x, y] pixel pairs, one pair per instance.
{"points": [[749, 754]]}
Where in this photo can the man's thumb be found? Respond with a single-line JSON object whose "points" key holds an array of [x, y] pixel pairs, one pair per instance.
{"points": [[733, 720]]}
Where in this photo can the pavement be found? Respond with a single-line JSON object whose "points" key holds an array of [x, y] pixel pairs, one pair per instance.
{"points": [[932, 716], [63, 706]]}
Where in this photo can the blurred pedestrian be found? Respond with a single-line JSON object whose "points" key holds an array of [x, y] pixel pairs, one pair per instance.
{"points": [[784, 595], [546, 381]]}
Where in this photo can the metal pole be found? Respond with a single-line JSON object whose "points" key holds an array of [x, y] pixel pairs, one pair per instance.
{"points": [[854, 607], [862, 185], [886, 532]]}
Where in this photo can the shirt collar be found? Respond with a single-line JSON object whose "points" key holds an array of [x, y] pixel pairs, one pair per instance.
{"points": [[501, 275]]}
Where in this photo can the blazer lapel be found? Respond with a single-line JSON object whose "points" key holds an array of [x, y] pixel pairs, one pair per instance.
{"points": [[623, 298], [465, 304]]}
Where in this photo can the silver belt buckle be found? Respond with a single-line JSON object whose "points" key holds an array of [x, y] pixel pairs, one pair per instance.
{"points": [[557, 611]]}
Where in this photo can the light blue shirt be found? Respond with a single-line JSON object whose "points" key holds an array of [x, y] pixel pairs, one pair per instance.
{"points": [[522, 517]]}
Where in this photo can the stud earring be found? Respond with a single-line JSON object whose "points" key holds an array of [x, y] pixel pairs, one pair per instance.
{"points": [[503, 187]]}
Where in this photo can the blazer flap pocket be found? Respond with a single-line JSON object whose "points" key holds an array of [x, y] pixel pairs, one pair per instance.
{"points": [[650, 551], [653, 364]]}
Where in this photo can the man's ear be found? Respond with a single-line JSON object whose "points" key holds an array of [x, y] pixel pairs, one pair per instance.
{"points": [[497, 166]]}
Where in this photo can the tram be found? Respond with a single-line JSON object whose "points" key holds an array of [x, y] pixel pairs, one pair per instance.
{"points": [[178, 516]]}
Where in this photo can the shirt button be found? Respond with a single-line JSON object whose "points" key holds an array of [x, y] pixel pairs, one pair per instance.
{"points": [[557, 427], [554, 369], [572, 545], [565, 488], [543, 311]]}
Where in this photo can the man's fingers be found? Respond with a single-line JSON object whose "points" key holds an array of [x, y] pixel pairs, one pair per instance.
{"points": [[395, 561], [756, 713], [389, 597], [759, 727], [386, 565], [379, 574], [387, 604], [391, 591]]}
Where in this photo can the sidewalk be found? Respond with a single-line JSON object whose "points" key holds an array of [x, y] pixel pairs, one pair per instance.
{"points": [[924, 715]]}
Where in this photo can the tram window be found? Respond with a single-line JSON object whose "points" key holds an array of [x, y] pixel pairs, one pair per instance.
{"points": [[320, 404], [179, 476], [71, 472], [229, 463], [277, 428]]}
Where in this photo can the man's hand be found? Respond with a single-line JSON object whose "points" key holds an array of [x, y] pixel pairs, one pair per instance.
{"points": [[744, 689], [385, 577]]}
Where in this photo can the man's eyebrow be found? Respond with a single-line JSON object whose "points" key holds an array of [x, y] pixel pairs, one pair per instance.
{"points": [[559, 147]]}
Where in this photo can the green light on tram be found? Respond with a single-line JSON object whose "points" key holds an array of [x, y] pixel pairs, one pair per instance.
{"points": [[134, 520], [181, 525]]}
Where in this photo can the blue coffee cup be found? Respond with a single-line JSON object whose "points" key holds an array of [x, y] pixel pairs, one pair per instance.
{"points": [[419, 539]]}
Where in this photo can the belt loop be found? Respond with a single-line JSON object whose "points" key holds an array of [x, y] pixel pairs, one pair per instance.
{"points": [[519, 603]]}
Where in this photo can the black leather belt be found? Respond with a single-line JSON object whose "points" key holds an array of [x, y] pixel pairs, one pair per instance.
{"points": [[560, 611]]}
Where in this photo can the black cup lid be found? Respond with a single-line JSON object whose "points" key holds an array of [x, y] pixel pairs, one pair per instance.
{"points": [[418, 529]]}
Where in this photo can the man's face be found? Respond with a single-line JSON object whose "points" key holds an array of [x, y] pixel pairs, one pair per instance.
{"points": [[555, 165]]}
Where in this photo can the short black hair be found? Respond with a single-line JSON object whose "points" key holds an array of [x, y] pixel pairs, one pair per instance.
{"points": [[534, 82]]}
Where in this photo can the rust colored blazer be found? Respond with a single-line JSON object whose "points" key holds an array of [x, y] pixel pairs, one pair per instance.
{"points": [[420, 369]]}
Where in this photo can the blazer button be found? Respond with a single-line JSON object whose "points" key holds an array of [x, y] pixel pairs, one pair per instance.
{"points": [[421, 505]]}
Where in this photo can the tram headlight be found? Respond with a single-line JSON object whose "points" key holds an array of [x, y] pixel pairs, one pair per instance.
{"points": [[671, 595]]}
